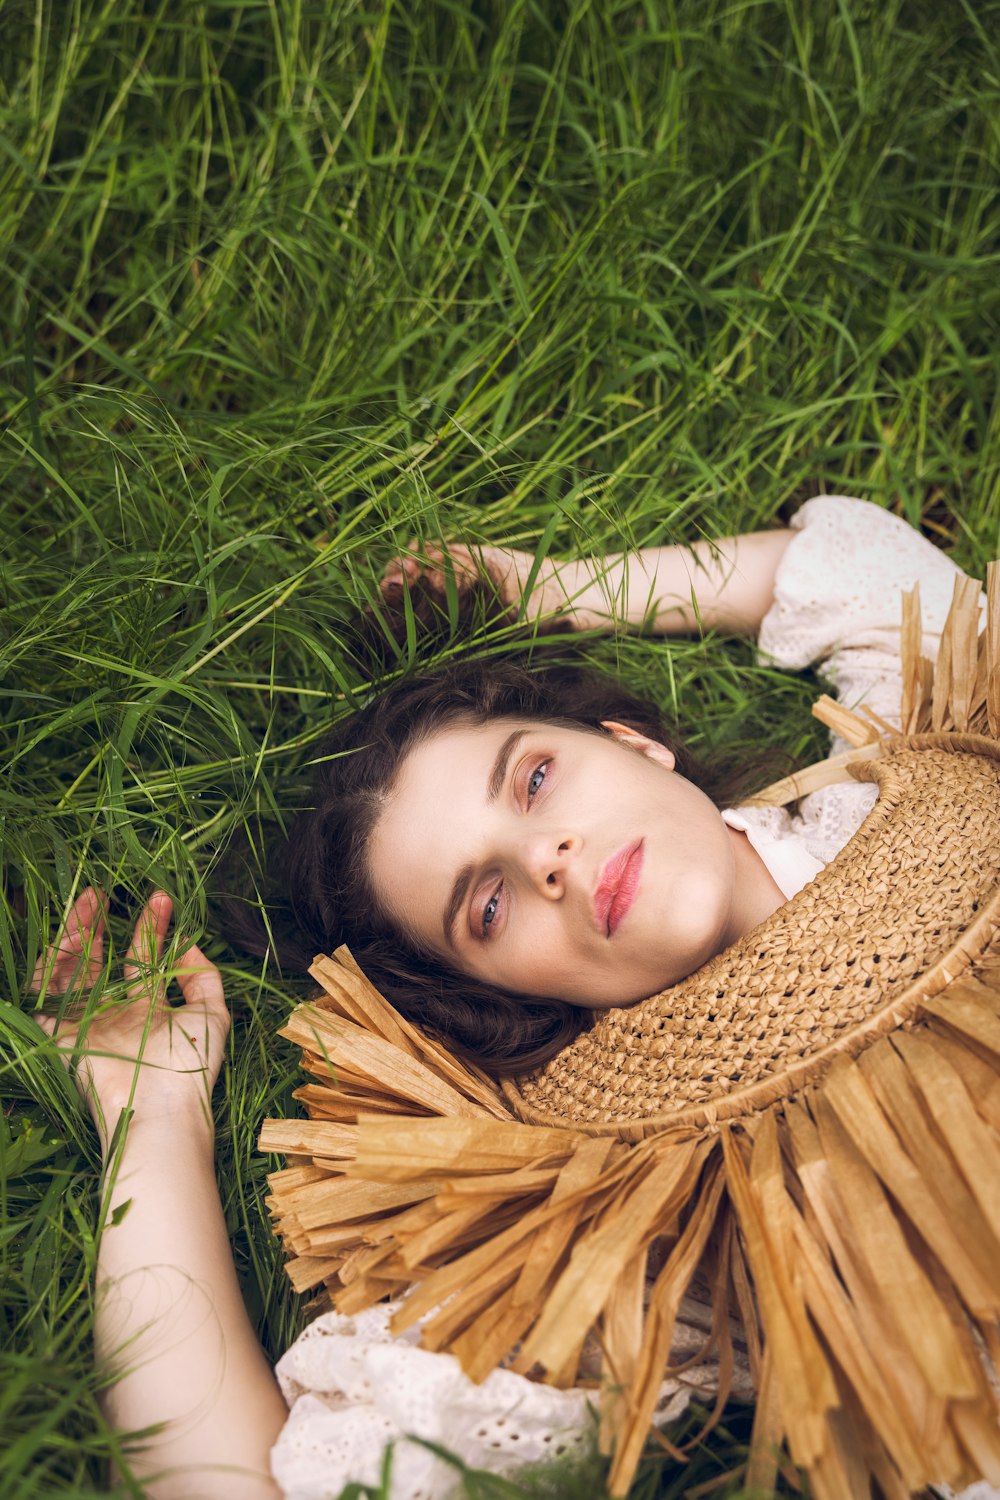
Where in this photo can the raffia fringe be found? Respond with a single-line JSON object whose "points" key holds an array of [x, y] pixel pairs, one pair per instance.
{"points": [[853, 1227]]}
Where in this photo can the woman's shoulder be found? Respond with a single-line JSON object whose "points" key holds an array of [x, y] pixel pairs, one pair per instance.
{"points": [[841, 580]]}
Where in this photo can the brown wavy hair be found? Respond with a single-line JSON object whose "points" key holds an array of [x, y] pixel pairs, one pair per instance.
{"points": [[319, 891]]}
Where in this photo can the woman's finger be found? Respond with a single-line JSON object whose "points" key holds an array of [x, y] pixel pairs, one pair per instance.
{"points": [[395, 569], [147, 944], [200, 982], [63, 1033], [434, 568], [79, 952], [400, 570], [454, 558]]}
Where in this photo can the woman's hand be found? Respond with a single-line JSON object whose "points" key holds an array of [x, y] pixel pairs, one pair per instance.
{"points": [[160, 1061], [504, 570]]}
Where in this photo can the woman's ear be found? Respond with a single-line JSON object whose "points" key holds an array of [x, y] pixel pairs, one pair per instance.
{"points": [[652, 749]]}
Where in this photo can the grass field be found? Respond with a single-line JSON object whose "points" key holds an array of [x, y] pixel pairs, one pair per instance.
{"points": [[286, 283]]}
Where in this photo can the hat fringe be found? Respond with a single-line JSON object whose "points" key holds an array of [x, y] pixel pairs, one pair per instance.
{"points": [[853, 1227]]}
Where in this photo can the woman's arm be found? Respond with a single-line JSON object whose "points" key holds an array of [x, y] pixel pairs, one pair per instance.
{"points": [[170, 1324], [170, 1315], [726, 585]]}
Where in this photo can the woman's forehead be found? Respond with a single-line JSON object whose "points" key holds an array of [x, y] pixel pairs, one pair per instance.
{"points": [[464, 742], [487, 730], [463, 745]]}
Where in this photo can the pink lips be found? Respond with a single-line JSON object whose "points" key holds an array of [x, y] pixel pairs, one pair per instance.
{"points": [[617, 887]]}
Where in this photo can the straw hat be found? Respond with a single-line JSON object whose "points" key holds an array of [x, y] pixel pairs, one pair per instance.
{"points": [[808, 1127]]}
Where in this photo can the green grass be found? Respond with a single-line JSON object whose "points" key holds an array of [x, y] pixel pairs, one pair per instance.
{"points": [[286, 283]]}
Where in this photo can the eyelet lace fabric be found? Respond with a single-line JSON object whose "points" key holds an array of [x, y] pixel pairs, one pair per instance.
{"points": [[838, 599], [354, 1388], [819, 829]]}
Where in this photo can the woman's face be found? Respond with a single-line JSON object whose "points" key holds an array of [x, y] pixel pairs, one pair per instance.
{"points": [[556, 862]]}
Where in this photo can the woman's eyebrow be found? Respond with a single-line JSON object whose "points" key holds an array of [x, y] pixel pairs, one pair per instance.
{"points": [[458, 892], [498, 775], [494, 786]]}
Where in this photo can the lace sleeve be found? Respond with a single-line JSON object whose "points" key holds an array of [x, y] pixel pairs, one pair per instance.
{"points": [[353, 1388], [838, 599]]}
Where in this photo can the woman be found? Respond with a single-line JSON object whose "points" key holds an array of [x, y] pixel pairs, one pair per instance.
{"points": [[504, 851], [606, 873]]}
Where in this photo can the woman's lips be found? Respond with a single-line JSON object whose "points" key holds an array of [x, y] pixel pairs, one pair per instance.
{"points": [[617, 887]]}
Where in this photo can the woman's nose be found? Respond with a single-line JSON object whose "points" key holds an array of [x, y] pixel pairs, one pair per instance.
{"points": [[548, 859]]}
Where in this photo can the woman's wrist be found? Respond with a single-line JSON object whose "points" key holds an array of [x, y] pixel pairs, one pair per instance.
{"points": [[569, 591], [160, 1132], [590, 586]]}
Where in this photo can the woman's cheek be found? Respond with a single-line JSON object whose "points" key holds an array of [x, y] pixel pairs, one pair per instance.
{"points": [[683, 917]]}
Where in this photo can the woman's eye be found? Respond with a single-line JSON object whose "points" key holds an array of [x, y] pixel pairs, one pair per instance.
{"points": [[536, 779], [490, 910]]}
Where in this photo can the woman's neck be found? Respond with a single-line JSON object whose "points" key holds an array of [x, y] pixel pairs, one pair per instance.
{"points": [[756, 894]]}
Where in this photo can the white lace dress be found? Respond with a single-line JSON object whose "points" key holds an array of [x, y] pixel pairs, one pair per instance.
{"points": [[353, 1389]]}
